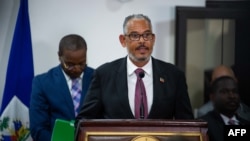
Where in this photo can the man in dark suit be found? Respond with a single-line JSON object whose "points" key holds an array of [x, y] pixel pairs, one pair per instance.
{"points": [[112, 90], [223, 70], [226, 101], [51, 96]]}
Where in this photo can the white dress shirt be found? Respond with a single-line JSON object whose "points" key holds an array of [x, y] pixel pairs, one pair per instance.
{"points": [[226, 119], [147, 79]]}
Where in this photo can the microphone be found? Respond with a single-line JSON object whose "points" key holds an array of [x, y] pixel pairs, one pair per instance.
{"points": [[141, 75]]}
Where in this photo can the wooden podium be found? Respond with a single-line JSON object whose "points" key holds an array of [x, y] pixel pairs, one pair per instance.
{"points": [[141, 130]]}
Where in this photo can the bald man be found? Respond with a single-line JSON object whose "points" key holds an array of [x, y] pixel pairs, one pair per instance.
{"points": [[222, 70], [219, 71]]}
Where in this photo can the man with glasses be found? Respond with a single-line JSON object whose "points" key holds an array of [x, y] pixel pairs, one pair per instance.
{"points": [[112, 91], [58, 93]]}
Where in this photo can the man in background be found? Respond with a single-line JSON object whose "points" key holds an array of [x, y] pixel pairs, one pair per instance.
{"points": [[58, 93], [226, 100], [219, 71]]}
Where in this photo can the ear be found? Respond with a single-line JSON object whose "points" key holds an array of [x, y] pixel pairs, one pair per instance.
{"points": [[59, 55], [122, 39], [154, 38]]}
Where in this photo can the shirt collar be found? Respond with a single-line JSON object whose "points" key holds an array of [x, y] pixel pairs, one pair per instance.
{"points": [[68, 78], [131, 67], [226, 119]]}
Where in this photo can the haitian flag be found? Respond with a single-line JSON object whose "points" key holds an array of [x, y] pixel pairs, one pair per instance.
{"points": [[14, 120]]}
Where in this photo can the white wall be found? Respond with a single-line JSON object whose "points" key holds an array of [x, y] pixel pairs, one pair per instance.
{"points": [[98, 21]]}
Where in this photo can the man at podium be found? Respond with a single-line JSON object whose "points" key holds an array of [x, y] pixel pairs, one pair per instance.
{"points": [[137, 86]]}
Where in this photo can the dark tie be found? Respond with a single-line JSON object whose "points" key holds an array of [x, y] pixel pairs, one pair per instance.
{"points": [[76, 93], [141, 106], [231, 122]]}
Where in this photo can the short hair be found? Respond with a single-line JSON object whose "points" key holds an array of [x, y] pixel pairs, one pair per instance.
{"points": [[72, 42], [135, 16], [214, 86]]}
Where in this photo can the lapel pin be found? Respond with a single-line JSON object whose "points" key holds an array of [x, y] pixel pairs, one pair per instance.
{"points": [[162, 80]]}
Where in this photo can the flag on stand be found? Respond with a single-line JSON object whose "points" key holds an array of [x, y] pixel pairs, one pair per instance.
{"points": [[14, 120]]}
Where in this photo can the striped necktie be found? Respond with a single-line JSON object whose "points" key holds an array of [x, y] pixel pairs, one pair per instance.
{"points": [[76, 91]]}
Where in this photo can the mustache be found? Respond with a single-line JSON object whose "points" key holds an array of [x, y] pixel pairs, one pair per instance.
{"points": [[141, 46], [236, 102]]}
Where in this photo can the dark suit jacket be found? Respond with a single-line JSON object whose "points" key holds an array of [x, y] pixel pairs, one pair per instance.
{"points": [[108, 94], [51, 99], [216, 125]]}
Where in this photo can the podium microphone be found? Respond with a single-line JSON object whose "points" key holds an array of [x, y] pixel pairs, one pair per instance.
{"points": [[141, 75]]}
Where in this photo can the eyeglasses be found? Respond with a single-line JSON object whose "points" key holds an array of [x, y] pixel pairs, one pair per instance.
{"points": [[72, 66], [145, 36]]}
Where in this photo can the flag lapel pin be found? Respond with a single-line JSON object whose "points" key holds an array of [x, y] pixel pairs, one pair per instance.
{"points": [[162, 80]]}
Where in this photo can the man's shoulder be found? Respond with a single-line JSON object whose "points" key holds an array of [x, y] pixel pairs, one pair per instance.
{"points": [[50, 72], [89, 69], [163, 63], [112, 64], [211, 116], [166, 66]]}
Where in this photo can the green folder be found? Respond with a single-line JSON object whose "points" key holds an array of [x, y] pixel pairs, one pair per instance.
{"points": [[63, 130]]}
